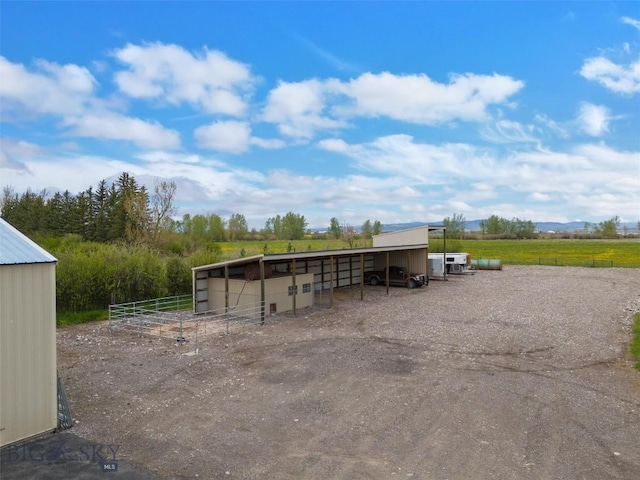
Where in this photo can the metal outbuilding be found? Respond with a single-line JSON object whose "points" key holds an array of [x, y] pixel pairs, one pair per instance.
{"points": [[275, 283], [28, 381]]}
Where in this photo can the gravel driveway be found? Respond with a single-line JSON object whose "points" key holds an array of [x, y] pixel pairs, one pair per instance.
{"points": [[514, 374]]}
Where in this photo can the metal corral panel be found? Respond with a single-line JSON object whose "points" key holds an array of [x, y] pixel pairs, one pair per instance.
{"points": [[28, 388], [411, 236]]}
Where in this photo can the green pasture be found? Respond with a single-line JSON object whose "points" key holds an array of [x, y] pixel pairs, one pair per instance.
{"points": [[232, 250], [583, 253]]}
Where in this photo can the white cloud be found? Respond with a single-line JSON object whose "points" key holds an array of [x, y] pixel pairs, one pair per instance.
{"points": [[334, 145], [10, 149], [631, 21], [418, 99], [50, 89], [539, 197], [7, 162], [299, 109], [593, 119], [507, 131], [160, 156], [113, 126], [624, 79], [551, 125], [542, 175], [606, 157], [417, 162], [268, 143], [68, 92], [209, 79], [302, 109], [79, 172], [230, 136], [592, 180]]}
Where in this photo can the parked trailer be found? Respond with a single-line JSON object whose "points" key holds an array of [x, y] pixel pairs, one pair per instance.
{"points": [[455, 264]]}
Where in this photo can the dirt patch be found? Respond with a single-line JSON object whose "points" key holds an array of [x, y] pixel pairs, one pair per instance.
{"points": [[514, 374]]}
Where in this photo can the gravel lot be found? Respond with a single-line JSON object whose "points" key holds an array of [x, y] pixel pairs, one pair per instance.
{"points": [[521, 373]]}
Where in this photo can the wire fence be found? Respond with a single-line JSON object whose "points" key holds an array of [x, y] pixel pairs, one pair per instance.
{"points": [[559, 262]]}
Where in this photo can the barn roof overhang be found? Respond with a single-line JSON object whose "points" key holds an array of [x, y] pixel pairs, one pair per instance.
{"points": [[18, 249], [317, 254]]}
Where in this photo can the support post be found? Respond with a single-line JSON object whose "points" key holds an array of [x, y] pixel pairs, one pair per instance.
{"points": [[361, 277], [262, 293], [426, 252], [386, 269], [444, 255], [293, 281], [226, 289], [331, 284], [408, 283]]}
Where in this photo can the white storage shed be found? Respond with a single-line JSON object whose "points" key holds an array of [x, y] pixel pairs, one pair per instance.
{"points": [[28, 378]]}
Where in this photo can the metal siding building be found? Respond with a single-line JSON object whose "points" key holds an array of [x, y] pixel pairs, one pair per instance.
{"points": [[28, 381], [410, 236], [216, 286]]}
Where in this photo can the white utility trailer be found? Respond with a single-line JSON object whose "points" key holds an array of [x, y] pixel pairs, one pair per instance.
{"points": [[453, 263]]}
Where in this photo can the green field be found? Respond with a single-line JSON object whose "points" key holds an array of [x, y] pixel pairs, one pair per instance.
{"points": [[231, 250], [586, 253]]}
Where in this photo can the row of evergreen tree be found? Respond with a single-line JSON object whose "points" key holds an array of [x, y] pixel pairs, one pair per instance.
{"points": [[127, 211], [120, 211]]}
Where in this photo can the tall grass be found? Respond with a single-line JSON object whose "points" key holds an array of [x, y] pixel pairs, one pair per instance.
{"points": [[65, 319], [635, 342]]}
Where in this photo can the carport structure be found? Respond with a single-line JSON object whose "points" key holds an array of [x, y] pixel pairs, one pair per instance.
{"points": [[273, 283]]}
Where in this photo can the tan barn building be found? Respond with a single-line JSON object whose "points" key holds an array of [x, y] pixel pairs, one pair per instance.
{"points": [[28, 379], [275, 283]]}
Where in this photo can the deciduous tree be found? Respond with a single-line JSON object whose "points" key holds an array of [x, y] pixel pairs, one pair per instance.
{"points": [[455, 226]]}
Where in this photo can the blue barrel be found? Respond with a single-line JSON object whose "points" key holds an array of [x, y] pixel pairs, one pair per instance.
{"points": [[486, 264]]}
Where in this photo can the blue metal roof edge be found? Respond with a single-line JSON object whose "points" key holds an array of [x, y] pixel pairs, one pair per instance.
{"points": [[23, 250]]}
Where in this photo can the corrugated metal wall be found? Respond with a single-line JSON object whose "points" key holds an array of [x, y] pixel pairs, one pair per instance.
{"points": [[247, 294], [28, 388], [347, 270], [413, 236], [414, 260]]}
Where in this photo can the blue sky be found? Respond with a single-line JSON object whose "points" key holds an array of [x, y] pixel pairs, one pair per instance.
{"points": [[390, 111]]}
